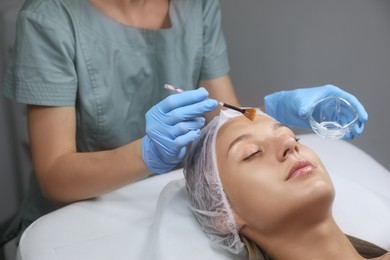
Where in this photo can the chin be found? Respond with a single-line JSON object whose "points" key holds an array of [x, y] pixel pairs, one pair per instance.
{"points": [[320, 196], [314, 204], [316, 188], [320, 182], [323, 189]]}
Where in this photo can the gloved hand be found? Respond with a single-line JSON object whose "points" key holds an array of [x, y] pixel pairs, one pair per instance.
{"points": [[292, 107], [171, 125]]}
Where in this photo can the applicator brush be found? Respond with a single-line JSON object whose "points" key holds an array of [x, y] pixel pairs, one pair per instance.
{"points": [[250, 113]]}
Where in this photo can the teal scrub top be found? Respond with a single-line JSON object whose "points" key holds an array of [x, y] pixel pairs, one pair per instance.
{"points": [[68, 53]]}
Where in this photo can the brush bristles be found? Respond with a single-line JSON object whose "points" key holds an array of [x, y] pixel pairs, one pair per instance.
{"points": [[250, 113]]}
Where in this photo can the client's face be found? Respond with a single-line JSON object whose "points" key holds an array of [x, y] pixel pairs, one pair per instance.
{"points": [[272, 181]]}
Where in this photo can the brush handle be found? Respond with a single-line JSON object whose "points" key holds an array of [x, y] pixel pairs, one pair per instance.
{"points": [[170, 87], [242, 110]]}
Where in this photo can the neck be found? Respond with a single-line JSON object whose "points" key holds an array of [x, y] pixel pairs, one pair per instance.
{"points": [[321, 241]]}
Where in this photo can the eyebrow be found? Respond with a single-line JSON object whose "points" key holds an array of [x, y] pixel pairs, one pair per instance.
{"points": [[243, 137], [278, 125]]}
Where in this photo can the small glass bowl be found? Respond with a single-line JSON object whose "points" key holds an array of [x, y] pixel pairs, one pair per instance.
{"points": [[332, 117]]}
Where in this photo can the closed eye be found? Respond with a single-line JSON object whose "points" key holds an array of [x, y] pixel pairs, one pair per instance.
{"points": [[251, 156]]}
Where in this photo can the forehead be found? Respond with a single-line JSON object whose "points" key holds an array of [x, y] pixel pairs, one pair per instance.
{"points": [[240, 124]]}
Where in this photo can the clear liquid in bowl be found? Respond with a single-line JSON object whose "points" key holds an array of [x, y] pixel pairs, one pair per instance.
{"points": [[329, 130]]}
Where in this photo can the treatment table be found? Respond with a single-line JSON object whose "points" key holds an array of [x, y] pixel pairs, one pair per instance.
{"points": [[150, 219]]}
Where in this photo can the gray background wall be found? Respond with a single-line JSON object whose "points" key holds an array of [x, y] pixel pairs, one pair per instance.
{"points": [[14, 158], [287, 44], [273, 45]]}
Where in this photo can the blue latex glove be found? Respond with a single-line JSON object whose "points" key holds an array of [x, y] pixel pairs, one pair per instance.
{"points": [[292, 107], [171, 125]]}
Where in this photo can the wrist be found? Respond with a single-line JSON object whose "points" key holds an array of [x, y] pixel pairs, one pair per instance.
{"points": [[152, 159]]}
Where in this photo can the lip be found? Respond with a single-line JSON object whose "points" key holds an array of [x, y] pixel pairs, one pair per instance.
{"points": [[299, 168]]}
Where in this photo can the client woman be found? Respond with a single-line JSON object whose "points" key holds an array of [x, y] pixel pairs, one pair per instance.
{"points": [[256, 191]]}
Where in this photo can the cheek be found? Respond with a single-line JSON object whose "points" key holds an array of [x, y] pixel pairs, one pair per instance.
{"points": [[253, 196]]}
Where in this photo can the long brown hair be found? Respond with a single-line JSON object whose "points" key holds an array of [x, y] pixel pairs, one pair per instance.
{"points": [[364, 248]]}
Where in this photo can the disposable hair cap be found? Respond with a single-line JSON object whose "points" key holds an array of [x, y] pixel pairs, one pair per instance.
{"points": [[205, 193]]}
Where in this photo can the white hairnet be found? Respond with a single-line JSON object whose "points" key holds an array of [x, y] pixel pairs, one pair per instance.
{"points": [[205, 193]]}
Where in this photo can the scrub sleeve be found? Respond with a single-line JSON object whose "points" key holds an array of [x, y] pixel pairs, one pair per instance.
{"points": [[68, 53]]}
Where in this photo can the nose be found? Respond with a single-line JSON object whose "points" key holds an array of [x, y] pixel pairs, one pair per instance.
{"points": [[287, 145]]}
